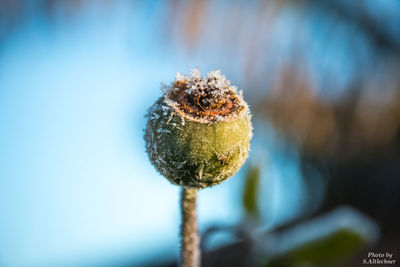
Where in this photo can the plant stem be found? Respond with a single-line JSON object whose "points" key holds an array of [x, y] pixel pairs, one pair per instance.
{"points": [[190, 251]]}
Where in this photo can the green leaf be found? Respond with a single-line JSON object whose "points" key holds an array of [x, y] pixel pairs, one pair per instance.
{"points": [[250, 193], [331, 249], [327, 240]]}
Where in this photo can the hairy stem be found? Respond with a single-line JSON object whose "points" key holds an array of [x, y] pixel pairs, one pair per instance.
{"points": [[190, 251]]}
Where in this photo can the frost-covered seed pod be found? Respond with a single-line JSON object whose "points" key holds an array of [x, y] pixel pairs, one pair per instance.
{"points": [[198, 134]]}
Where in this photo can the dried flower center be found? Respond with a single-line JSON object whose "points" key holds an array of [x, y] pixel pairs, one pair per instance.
{"points": [[207, 102]]}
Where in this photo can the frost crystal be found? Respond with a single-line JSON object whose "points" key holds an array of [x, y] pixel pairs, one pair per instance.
{"points": [[179, 77]]}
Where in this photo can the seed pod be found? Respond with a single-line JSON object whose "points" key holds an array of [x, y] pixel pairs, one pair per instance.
{"points": [[198, 134]]}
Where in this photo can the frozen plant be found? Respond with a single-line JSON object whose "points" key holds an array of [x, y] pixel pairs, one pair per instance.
{"points": [[198, 135]]}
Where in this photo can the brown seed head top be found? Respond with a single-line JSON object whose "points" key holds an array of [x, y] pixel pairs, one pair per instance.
{"points": [[208, 99]]}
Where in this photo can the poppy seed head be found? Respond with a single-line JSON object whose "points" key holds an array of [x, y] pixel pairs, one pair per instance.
{"points": [[198, 134]]}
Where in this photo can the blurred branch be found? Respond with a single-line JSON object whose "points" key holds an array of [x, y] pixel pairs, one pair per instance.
{"points": [[365, 23]]}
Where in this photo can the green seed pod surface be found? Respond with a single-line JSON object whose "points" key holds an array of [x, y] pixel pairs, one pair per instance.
{"points": [[198, 134]]}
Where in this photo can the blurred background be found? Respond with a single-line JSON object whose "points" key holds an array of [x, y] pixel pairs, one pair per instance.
{"points": [[320, 188]]}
